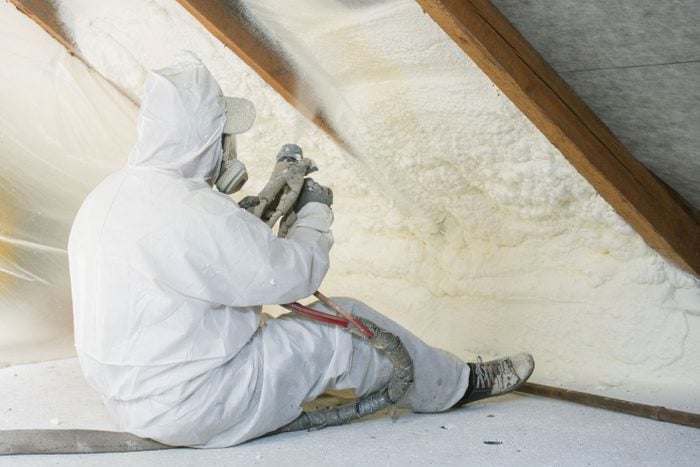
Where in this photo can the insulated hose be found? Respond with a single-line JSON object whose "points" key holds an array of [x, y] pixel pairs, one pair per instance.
{"points": [[20, 442], [388, 396]]}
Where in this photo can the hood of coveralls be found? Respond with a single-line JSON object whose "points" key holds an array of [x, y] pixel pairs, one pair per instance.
{"points": [[180, 122]]}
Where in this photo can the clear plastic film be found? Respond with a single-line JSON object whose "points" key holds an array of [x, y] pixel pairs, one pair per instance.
{"points": [[62, 129]]}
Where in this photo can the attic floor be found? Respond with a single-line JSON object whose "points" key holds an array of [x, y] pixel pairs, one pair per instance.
{"points": [[511, 430]]}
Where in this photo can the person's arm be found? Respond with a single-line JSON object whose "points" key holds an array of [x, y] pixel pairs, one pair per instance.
{"points": [[235, 259], [290, 268]]}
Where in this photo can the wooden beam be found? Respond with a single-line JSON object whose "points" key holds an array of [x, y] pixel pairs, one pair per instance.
{"points": [[227, 22], [654, 412], [663, 219], [43, 12]]}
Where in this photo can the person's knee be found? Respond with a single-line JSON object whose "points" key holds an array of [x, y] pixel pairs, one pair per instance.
{"points": [[356, 308]]}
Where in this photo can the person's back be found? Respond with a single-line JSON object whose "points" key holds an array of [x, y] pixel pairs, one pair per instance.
{"points": [[139, 331]]}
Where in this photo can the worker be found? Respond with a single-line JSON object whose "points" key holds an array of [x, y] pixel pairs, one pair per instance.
{"points": [[168, 277]]}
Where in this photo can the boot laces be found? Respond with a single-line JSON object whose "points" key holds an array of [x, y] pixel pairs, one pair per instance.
{"points": [[488, 374]]}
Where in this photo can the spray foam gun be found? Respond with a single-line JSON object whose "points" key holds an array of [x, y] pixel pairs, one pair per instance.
{"points": [[276, 202]]}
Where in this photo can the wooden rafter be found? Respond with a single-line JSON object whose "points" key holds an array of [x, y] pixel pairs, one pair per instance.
{"points": [[662, 218], [43, 12], [227, 22]]}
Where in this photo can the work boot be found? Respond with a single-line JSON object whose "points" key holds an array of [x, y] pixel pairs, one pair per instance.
{"points": [[497, 377]]}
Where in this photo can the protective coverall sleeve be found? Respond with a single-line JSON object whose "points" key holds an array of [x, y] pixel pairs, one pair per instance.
{"points": [[235, 259]]}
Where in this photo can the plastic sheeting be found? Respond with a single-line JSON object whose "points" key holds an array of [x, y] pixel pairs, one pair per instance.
{"points": [[55, 145]]}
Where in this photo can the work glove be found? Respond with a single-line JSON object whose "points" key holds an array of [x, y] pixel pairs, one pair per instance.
{"points": [[278, 197], [249, 202], [312, 192]]}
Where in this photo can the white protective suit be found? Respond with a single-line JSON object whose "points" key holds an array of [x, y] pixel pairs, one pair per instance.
{"points": [[168, 276]]}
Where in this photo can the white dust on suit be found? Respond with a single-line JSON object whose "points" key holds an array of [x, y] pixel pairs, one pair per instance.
{"points": [[168, 278]]}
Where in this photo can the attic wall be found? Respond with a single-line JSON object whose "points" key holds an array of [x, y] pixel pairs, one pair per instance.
{"points": [[62, 128], [455, 216]]}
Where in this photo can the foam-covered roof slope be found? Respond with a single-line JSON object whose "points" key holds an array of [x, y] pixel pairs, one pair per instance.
{"points": [[636, 63], [454, 214]]}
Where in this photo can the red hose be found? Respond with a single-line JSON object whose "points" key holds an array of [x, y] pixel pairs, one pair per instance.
{"points": [[335, 307], [344, 320], [317, 315]]}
